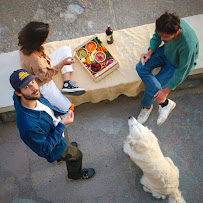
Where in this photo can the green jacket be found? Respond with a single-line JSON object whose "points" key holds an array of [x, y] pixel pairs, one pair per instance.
{"points": [[182, 52]]}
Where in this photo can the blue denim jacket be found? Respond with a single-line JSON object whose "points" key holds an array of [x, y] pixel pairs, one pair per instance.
{"points": [[38, 131]]}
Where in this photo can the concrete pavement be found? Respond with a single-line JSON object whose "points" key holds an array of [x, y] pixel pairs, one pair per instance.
{"points": [[100, 128]]}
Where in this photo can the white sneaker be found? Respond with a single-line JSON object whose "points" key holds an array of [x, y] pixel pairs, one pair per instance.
{"points": [[165, 111], [144, 115]]}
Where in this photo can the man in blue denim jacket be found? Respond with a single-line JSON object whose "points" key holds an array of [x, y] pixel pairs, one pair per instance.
{"points": [[41, 127]]}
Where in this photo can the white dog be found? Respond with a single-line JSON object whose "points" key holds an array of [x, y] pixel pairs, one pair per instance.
{"points": [[161, 176]]}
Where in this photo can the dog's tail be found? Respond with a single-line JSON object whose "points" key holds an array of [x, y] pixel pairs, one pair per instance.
{"points": [[176, 197]]}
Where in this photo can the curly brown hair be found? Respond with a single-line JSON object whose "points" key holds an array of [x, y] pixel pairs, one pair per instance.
{"points": [[168, 23], [32, 36]]}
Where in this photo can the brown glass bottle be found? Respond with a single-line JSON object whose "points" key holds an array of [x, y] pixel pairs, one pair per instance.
{"points": [[109, 35]]}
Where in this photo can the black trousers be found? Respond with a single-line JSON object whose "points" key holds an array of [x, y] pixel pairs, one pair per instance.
{"points": [[73, 158]]}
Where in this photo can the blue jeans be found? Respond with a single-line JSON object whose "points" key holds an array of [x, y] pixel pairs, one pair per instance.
{"points": [[154, 83]]}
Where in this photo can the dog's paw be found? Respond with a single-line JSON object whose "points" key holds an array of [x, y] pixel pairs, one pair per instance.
{"points": [[158, 196], [146, 189]]}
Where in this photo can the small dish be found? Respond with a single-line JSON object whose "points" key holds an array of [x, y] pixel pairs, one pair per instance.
{"points": [[82, 53], [95, 67], [91, 46], [100, 56]]}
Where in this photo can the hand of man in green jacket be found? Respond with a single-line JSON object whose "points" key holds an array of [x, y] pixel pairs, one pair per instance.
{"points": [[162, 94]]}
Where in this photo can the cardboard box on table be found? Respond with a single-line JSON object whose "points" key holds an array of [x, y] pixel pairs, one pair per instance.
{"points": [[102, 73]]}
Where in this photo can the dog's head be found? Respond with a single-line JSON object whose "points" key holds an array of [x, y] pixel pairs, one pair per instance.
{"points": [[137, 140], [140, 137], [135, 128]]}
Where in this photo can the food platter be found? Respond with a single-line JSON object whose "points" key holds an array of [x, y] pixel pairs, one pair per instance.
{"points": [[92, 53]]}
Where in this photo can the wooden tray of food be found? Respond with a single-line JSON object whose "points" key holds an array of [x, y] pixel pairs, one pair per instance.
{"points": [[95, 58]]}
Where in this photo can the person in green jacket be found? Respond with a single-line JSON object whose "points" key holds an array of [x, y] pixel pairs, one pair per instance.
{"points": [[176, 57]]}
